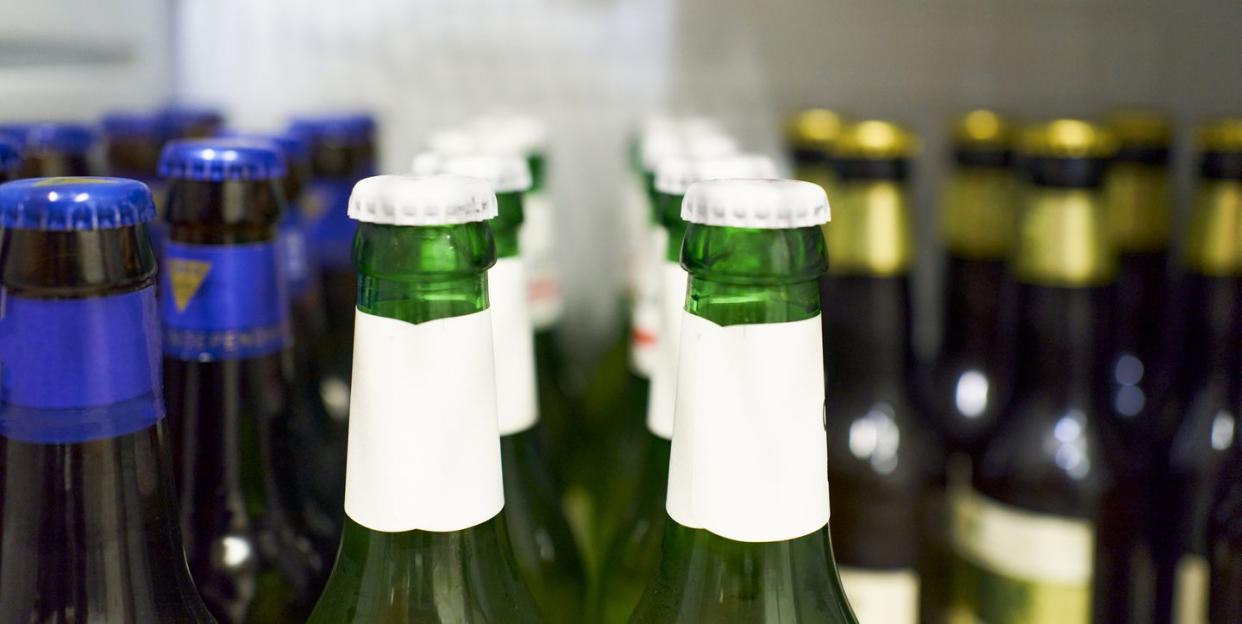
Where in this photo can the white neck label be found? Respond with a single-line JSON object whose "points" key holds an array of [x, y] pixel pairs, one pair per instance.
{"points": [[750, 457], [673, 281], [424, 451], [538, 240], [518, 407], [645, 315]]}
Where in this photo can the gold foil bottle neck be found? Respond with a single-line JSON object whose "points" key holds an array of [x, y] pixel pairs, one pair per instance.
{"points": [[1063, 239], [1214, 245], [813, 128], [1221, 135], [1140, 128], [870, 232], [1067, 138], [982, 129], [977, 218], [1137, 197], [874, 139]]}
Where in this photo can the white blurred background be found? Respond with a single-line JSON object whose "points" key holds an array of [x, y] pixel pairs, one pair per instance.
{"points": [[593, 67]]}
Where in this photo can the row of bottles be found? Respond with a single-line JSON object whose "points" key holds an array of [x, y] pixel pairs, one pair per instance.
{"points": [[1058, 459], [1082, 402]]}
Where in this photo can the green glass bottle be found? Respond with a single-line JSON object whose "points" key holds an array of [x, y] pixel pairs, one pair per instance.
{"points": [[638, 514], [884, 461], [746, 538], [424, 537], [543, 543], [1207, 399], [1035, 533]]}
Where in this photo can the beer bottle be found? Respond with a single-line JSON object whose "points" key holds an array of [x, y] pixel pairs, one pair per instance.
{"points": [[1032, 532], [10, 160], [184, 121], [962, 386], [1225, 538], [633, 505], [746, 539], [88, 525], [884, 461], [132, 144], [53, 149], [809, 136], [424, 536], [343, 151], [543, 543], [226, 333], [1207, 400], [1137, 198], [314, 440]]}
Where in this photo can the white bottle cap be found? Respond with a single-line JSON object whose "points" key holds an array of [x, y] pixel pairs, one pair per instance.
{"points": [[506, 173], [415, 200], [663, 145], [768, 204], [675, 175]]}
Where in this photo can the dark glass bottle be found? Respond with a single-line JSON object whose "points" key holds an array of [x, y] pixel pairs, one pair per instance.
{"points": [[1207, 397], [884, 461], [51, 149], [1042, 534], [1225, 538], [746, 535], [132, 144], [226, 333], [183, 121], [309, 436], [424, 538], [810, 135], [1137, 198], [963, 386], [637, 520], [88, 523], [10, 160]]}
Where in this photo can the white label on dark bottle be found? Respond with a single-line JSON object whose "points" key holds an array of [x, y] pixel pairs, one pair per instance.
{"points": [[515, 346], [424, 449], [749, 457]]}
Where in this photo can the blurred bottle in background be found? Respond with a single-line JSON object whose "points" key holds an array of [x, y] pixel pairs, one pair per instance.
{"points": [[343, 151], [226, 333], [87, 506], [183, 121], [132, 144], [749, 414], [1207, 396], [884, 461], [632, 505], [309, 437], [543, 543], [1033, 532], [425, 537], [809, 139], [53, 148], [1137, 196], [10, 160], [965, 382]]}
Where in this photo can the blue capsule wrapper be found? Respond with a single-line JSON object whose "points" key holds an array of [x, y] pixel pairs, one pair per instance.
{"points": [[294, 252], [329, 229], [75, 370], [223, 302]]}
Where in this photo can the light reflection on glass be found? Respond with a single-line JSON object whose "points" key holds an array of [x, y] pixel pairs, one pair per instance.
{"points": [[971, 395]]}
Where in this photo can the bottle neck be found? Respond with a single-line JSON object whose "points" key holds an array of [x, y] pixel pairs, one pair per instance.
{"points": [[668, 211], [1063, 239], [864, 351], [420, 274], [870, 231], [972, 311], [507, 224], [977, 213], [48, 164], [1213, 305], [1137, 197], [1214, 237], [741, 276], [343, 161]]}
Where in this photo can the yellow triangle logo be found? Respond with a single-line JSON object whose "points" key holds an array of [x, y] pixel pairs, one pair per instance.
{"points": [[187, 277]]}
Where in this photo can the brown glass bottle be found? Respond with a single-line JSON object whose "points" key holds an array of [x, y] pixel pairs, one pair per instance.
{"points": [[1207, 394], [226, 333], [52, 149], [88, 527], [884, 461]]}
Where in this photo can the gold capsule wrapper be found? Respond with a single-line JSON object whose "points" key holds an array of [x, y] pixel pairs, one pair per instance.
{"points": [[1063, 239], [1214, 245], [977, 214], [1137, 199], [870, 232]]}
